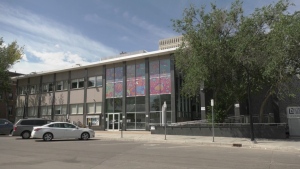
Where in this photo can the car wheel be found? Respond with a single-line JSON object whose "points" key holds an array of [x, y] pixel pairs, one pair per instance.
{"points": [[85, 136], [47, 137], [26, 135]]}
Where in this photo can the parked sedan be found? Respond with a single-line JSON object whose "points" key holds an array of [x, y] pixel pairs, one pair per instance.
{"points": [[61, 130]]}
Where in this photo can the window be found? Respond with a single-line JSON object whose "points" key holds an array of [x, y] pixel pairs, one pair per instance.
{"points": [[46, 110], [10, 96], [94, 108], [92, 82], [22, 90], [32, 89], [10, 110], [47, 87], [32, 111], [19, 111], [60, 109], [98, 81], [76, 108], [61, 85], [77, 83], [95, 81]]}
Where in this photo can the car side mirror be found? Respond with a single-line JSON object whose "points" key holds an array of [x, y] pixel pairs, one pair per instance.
{"points": [[6, 123], [77, 127]]}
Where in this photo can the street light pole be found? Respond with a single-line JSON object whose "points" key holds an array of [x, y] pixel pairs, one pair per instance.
{"points": [[248, 110], [213, 127]]}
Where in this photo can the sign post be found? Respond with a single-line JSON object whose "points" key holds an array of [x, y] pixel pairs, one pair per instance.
{"points": [[121, 126], [212, 109], [164, 117]]}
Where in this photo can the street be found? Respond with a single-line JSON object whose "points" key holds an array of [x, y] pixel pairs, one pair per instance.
{"points": [[99, 154]]}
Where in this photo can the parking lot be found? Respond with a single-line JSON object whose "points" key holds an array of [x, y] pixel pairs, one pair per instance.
{"points": [[96, 153]]}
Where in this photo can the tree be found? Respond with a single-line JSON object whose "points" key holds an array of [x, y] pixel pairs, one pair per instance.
{"points": [[9, 54], [224, 47]]}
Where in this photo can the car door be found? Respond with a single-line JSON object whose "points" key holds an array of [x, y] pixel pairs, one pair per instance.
{"points": [[4, 127], [72, 131], [58, 130]]}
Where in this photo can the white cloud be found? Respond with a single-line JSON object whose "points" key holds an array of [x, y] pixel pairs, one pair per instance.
{"points": [[48, 41]]}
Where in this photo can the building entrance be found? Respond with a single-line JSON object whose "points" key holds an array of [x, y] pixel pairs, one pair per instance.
{"points": [[113, 122]]}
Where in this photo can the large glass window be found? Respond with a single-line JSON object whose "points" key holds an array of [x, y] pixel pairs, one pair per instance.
{"points": [[166, 98], [155, 103], [130, 104], [109, 105], [135, 121], [118, 105], [160, 77], [140, 104], [130, 120]]}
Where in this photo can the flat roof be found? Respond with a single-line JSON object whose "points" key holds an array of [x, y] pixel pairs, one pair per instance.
{"points": [[101, 63]]}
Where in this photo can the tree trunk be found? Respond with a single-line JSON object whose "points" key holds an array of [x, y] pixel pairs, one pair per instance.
{"points": [[262, 107]]}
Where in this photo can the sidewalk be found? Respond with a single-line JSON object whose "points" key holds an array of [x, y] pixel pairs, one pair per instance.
{"points": [[146, 136]]}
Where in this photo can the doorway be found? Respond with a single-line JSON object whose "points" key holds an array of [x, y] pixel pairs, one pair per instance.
{"points": [[113, 121]]}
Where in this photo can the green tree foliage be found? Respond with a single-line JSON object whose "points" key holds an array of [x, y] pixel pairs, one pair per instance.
{"points": [[222, 47], [9, 54]]}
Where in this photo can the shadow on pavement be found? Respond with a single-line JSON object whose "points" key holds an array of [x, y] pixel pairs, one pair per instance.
{"points": [[64, 140]]}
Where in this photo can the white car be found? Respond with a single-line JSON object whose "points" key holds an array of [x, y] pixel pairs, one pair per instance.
{"points": [[61, 130]]}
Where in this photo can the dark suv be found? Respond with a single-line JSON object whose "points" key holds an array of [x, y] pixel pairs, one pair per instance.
{"points": [[6, 127], [24, 126]]}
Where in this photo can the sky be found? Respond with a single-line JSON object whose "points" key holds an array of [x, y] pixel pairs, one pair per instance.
{"points": [[57, 34]]}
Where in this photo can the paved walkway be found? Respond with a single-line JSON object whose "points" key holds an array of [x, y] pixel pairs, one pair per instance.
{"points": [[146, 136]]}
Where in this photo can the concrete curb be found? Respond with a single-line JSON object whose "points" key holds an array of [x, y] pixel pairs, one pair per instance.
{"points": [[201, 143]]}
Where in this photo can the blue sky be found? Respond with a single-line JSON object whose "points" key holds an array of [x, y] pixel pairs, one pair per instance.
{"points": [[62, 33]]}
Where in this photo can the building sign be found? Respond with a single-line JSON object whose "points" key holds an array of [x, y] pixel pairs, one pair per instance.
{"points": [[293, 112]]}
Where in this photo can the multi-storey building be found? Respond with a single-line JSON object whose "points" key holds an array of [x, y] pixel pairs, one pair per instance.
{"points": [[131, 88]]}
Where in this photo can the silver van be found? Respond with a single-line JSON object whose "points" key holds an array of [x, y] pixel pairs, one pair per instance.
{"points": [[24, 127]]}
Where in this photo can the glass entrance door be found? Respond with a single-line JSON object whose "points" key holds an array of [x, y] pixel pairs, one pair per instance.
{"points": [[113, 121]]}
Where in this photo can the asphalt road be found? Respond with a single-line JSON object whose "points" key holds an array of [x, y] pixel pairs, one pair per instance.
{"points": [[102, 154]]}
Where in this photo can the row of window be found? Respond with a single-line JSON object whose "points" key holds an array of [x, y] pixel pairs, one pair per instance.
{"points": [[95, 81], [92, 108]]}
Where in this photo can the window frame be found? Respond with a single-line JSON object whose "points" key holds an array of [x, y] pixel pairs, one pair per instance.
{"points": [[96, 81], [79, 82]]}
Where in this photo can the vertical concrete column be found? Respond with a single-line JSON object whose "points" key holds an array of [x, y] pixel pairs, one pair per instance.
{"points": [[69, 93], [103, 108], [39, 93], [173, 95], [53, 96], [85, 96], [147, 94], [123, 115], [18, 96], [26, 98]]}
